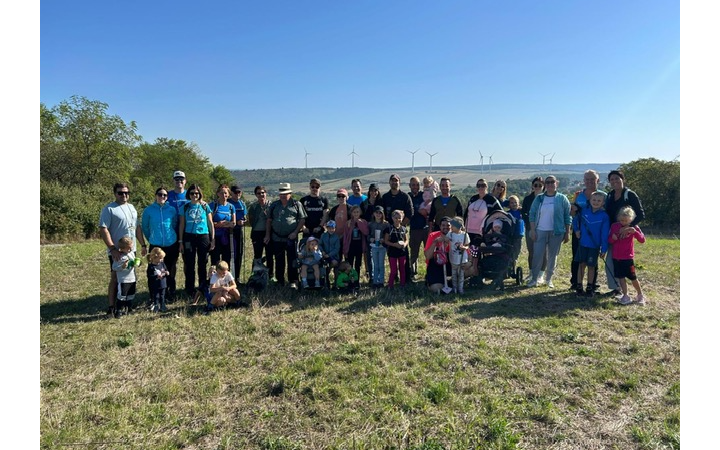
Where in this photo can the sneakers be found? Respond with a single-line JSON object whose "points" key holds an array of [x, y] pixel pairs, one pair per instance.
{"points": [[532, 283], [317, 283], [617, 293], [550, 284], [304, 284], [625, 300], [641, 300], [294, 285]]}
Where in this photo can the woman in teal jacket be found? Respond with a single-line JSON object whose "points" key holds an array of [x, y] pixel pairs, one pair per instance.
{"points": [[550, 223], [159, 222]]}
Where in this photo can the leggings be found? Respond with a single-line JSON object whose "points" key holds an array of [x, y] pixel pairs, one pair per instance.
{"points": [[355, 255], [195, 245], [397, 264]]}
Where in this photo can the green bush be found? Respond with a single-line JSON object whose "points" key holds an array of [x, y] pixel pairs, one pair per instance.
{"points": [[69, 211]]}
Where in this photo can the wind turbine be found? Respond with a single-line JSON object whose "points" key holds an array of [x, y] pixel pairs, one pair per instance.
{"points": [[353, 156], [490, 162], [544, 159], [481, 161], [431, 157], [550, 159], [306, 155], [413, 158]]}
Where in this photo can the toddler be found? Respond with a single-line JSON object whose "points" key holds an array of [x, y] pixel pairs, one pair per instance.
{"points": [[430, 189], [125, 268], [495, 238], [459, 243], [330, 247], [590, 225], [515, 211], [310, 256], [157, 274], [347, 278]]}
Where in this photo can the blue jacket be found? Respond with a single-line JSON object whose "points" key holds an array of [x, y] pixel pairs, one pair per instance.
{"points": [[330, 244], [159, 224], [593, 227], [561, 214]]}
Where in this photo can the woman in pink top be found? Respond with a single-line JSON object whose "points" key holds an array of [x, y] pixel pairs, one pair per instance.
{"points": [[623, 254]]}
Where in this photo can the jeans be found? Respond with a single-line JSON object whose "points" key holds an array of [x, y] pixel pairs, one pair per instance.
{"points": [[378, 264], [550, 242]]}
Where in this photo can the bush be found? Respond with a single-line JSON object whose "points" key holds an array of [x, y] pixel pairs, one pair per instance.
{"points": [[69, 211]]}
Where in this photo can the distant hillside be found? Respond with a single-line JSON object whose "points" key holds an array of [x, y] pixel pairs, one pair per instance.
{"points": [[461, 176]]}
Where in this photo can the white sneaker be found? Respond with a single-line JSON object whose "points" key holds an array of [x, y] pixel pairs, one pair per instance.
{"points": [[550, 284], [641, 300], [532, 283], [625, 300], [540, 280]]}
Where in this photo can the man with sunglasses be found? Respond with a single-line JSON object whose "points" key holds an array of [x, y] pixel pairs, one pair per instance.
{"points": [[317, 208], [178, 197], [117, 220]]}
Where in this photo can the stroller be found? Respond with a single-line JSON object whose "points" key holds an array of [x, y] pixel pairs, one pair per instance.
{"points": [[324, 279], [497, 260]]}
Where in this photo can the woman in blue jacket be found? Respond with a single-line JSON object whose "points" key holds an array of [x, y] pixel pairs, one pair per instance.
{"points": [[550, 223], [159, 222]]}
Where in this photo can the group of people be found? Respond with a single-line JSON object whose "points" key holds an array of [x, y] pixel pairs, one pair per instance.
{"points": [[365, 229]]}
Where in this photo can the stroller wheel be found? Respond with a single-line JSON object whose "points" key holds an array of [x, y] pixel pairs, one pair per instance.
{"points": [[518, 275]]}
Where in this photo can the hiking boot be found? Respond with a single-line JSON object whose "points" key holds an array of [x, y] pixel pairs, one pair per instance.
{"points": [[589, 291], [579, 292]]}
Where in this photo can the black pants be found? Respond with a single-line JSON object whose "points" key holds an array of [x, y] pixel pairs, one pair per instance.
{"points": [[575, 243], [239, 249], [256, 237], [221, 252], [172, 253], [355, 255], [195, 246], [282, 250]]}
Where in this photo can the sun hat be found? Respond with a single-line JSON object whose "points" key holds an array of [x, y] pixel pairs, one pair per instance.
{"points": [[178, 174], [285, 188]]}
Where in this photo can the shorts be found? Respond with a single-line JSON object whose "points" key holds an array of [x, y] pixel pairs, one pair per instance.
{"points": [[625, 268], [587, 256]]}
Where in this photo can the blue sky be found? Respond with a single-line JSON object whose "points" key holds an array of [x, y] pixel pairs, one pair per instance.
{"points": [[257, 84]]}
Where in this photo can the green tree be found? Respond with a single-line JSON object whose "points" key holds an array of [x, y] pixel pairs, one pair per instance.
{"points": [[657, 183], [81, 144], [222, 175], [158, 161]]}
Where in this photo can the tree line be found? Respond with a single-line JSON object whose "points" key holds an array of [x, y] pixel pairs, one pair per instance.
{"points": [[84, 150]]}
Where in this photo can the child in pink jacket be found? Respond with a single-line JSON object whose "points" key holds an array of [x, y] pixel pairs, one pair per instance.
{"points": [[622, 237]]}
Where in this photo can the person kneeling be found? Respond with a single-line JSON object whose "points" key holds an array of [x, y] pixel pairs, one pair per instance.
{"points": [[223, 287]]}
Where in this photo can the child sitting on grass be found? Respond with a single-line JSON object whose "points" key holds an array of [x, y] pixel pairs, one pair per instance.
{"points": [[347, 278], [223, 287]]}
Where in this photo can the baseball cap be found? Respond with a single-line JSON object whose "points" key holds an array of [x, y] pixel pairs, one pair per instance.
{"points": [[179, 174], [331, 224]]}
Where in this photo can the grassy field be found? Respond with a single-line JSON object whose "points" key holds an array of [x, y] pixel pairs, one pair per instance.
{"points": [[526, 368]]}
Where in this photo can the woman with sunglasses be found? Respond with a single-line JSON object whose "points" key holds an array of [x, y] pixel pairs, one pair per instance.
{"points": [[159, 222], [196, 239], [499, 191], [479, 206], [538, 187], [550, 223]]}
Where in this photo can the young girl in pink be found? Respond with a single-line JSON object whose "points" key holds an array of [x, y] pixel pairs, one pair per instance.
{"points": [[622, 238]]}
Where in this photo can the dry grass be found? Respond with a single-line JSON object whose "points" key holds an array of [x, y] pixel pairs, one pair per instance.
{"points": [[527, 368]]}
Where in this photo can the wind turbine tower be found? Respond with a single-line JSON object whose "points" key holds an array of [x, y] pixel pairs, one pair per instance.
{"points": [[481, 161], [543, 168], [550, 159], [490, 163], [353, 156], [431, 157], [413, 158], [306, 155]]}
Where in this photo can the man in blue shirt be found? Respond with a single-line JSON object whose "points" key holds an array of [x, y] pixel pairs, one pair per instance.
{"points": [[357, 196], [177, 197]]}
